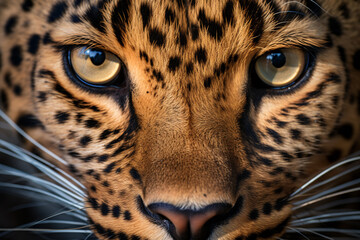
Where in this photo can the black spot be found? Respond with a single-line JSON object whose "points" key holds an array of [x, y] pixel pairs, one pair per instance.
{"points": [[265, 161], [228, 12], [356, 60], [4, 100], [169, 15], [92, 123], [314, 7], [122, 236], [342, 54], [182, 39], [303, 119], [213, 28], [104, 208], [105, 134], [286, 156], [103, 158], [8, 79], [11, 24], [158, 75], [277, 171], [335, 26], [207, 82], [254, 214], [74, 154], [47, 39], [16, 55], [280, 203], [344, 10], [75, 19], [17, 90], [280, 124], [62, 117], [295, 134], [275, 136], [120, 19], [27, 5], [278, 190], [253, 15], [194, 32], [135, 174], [189, 68], [146, 14], [95, 17], [93, 188], [57, 12], [29, 121], [116, 211], [267, 209], [109, 167], [33, 43], [346, 131], [106, 184], [174, 63], [201, 55], [77, 3], [94, 204], [85, 140], [156, 37], [127, 216]]}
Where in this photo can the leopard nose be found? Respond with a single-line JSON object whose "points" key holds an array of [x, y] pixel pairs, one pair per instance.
{"points": [[189, 224]]}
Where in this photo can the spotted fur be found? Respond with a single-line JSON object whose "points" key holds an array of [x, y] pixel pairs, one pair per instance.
{"points": [[190, 130]]}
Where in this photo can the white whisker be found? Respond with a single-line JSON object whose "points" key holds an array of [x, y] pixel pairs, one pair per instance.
{"points": [[30, 139], [328, 192], [336, 177], [297, 231], [4, 170], [314, 232], [42, 165], [328, 217], [41, 192], [308, 183], [327, 197]]}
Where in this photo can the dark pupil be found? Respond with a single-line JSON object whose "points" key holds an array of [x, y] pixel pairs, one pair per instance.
{"points": [[97, 57], [278, 59]]}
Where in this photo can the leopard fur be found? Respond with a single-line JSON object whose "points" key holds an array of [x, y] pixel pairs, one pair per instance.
{"points": [[189, 131]]}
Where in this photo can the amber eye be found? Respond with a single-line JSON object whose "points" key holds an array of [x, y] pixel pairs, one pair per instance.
{"points": [[281, 68], [95, 66]]}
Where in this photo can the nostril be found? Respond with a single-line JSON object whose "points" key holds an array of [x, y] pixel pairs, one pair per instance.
{"points": [[188, 223]]}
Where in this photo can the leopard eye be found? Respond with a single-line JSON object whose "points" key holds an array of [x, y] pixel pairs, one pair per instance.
{"points": [[281, 67], [93, 66]]}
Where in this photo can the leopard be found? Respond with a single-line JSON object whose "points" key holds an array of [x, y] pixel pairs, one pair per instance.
{"points": [[186, 119]]}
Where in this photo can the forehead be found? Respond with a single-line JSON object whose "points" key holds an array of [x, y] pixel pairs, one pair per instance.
{"points": [[228, 25]]}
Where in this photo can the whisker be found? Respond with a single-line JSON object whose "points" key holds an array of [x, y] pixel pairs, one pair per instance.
{"points": [[350, 160], [327, 206], [327, 197], [314, 232], [42, 192], [30, 139], [4, 170], [349, 232], [328, 191], [41, 164], [336, 177], [328, 217], [297, 231]]}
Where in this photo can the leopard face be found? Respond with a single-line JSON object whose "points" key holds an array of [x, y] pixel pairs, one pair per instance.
{"points": [[185, 119]]}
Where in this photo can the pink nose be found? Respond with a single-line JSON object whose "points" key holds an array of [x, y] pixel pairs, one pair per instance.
{"points": [[188, 224]]}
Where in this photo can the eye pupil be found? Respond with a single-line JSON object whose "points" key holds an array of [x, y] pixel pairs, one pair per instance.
{"points": [[278, 59], [97, 57]]}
